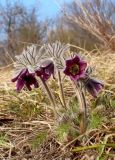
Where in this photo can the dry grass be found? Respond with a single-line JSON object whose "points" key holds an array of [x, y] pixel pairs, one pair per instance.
{"points": [[28, 130], [97, 17]]}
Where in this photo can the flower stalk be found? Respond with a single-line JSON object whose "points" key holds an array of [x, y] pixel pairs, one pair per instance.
{"points": [[50, 95], [82, 105], [61, 89]]}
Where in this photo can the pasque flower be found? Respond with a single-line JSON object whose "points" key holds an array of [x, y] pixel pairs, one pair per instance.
{"points": [[75, 68], [24, 78], [93, 86], [45, 70]]}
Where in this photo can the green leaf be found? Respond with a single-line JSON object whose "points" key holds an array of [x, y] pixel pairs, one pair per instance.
{"points": [[104, 144], [62, 131], [113, 103], [4, 142], [38, 139], [95, 121], [78, 149]]}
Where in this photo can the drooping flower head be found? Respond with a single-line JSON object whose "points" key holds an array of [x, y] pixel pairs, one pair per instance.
{"points": [[93, 86], [24, 78], [25, 67], [75, 68], [45, 70]]}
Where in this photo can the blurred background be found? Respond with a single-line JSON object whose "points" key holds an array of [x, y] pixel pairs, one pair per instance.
{"points": [[85, 23]]}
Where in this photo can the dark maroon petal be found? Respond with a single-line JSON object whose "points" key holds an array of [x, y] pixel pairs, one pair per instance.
{"points": [[26, 78], [20, 84], [97, 84], [76, 59], [30, 74], [34, 82], [98, 87], [66, 71], [44, 73], [24, 73], [94, 86], [49, 69], [91, 89], [36, 85], [28, 86], [46, 76], [16, 78], [82, 65], [82, 74], [46, 69], [74, 78], [69, 62], [30, 80], [39, 72]]}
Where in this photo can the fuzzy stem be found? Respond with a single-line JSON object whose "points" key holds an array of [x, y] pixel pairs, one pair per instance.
{"points": [[61, 89], [82, 104], [49, 94]]}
